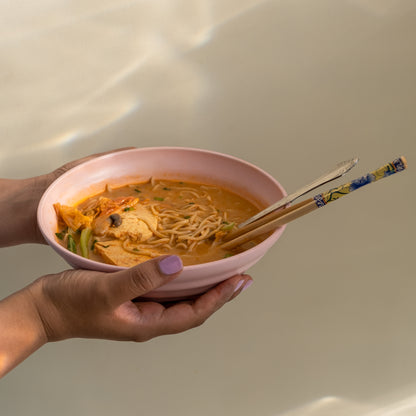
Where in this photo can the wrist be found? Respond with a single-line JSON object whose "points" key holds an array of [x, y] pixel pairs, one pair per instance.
{"points": [[53, 323], [21, 329], [19, 199]]}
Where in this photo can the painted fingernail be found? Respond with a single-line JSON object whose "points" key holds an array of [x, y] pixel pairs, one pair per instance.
{"points": [[239, 284], [246, 284], [170, 265]]}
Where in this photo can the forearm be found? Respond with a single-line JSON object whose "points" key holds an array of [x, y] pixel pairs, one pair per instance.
{"points": [[19, 199], [21, 330]]}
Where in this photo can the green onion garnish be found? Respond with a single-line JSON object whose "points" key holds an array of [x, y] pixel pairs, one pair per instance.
{"points": [[227, 226], [71, 245]]}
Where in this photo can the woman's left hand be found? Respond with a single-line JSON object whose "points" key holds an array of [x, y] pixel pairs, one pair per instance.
{"points": [[89, 304], [19, 199]]}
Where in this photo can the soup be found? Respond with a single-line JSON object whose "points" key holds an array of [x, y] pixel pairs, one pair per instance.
{"points": [[134, 223]]}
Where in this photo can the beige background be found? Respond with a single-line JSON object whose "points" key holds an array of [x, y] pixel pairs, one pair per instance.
{"points": [[293, 86]]}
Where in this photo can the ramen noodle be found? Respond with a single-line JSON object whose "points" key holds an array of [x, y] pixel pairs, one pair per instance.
{"points": [[134, 223]]}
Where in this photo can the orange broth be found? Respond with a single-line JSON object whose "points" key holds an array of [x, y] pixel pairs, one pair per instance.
{"points": [[181, 197]]}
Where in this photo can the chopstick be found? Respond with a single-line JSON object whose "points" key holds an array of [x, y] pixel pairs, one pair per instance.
{"points": [[340, 170], [281, 217]]}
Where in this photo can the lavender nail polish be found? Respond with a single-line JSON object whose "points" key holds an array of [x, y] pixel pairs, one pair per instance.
{"points": [[247, 285], [170, 265], [239, 284]]}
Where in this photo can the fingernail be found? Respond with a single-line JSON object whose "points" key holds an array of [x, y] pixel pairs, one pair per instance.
{"points": [[170, 265], [246, 285], [239, 284]]}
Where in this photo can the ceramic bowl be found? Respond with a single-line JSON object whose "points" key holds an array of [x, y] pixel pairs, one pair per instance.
{"points": [[138, 165]]}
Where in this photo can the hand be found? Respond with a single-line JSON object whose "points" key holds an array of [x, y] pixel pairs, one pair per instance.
{"points": [[19, 200], [88, 304]]}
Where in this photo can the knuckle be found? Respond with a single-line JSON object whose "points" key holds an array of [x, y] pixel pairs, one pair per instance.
{"points": [[199, 320], [139, 338], [143, 278], [142, 337], [141, 281]]}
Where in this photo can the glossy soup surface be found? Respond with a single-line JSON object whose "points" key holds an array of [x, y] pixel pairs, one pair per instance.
{"points": [[191, 221]]}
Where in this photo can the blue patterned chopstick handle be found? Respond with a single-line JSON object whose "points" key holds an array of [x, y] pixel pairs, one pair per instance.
{"points": [[333, 194]]}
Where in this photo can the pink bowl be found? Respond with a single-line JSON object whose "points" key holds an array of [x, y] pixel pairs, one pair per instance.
{"points": [[138, 165]]}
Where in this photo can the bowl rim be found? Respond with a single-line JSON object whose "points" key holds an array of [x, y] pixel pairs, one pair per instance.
{"points": [[112, 268]]}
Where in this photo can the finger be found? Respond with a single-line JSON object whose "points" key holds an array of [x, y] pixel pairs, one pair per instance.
{"points": [[244, 284], [186, 315], [128, 284]]}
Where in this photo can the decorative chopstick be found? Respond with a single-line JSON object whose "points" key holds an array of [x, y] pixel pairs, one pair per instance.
{"points": [[276, 219], [340, 170]]}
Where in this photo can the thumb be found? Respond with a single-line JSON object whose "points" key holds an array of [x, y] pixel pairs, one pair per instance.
{"points": [[130, 283]]}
